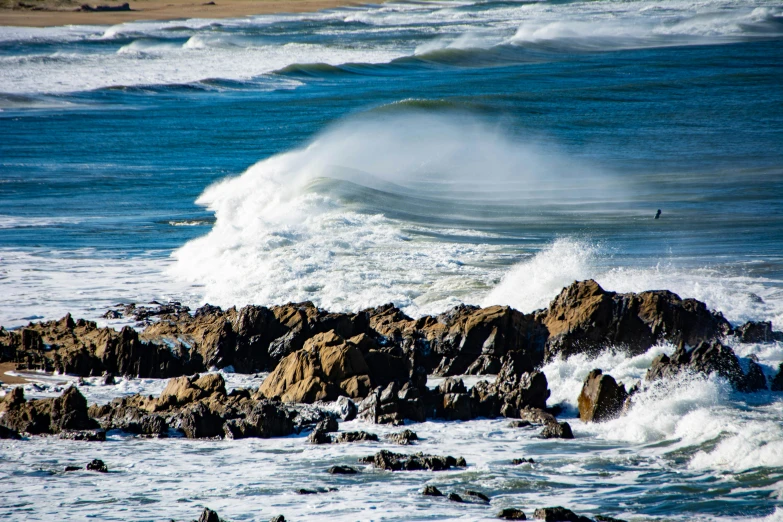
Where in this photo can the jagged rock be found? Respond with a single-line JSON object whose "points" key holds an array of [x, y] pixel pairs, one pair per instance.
{"points": [[67, 412], [586, 318], [184, 390], [85, 435], [265, 420], [755, 379], [328, 425], [455, 498], [356, 436], [319, 437], [342, 470], [108, 380], [431, 491], [777, 382], [121, 415], [278, 518], [324, 368], [404, 437], [559, 514], [706, 358], [757, 332], [392, 405], [512, 514], [557, 430], [97, 465], [418, 461], [517, 462], [209, 516], [601, 397], [198, 421], [512, 392]]}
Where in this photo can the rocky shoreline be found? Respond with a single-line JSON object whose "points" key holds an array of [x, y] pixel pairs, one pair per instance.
{"points": [[373, 365]]}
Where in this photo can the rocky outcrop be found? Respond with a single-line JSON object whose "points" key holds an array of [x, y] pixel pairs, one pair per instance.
{"points": [[512, 514], [601, 399], [757, 332], [97, 465], [46, 416], [557, 430], [707, 358], [392, 405], [587, 318], [514, 390], [403, 438], [558, 514], [418, 461]]}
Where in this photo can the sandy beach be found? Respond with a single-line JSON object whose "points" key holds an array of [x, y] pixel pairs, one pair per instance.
{"points": [[49, 13]]}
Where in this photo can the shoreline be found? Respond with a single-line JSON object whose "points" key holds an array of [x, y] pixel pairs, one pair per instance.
{"points": [[44, 15]]}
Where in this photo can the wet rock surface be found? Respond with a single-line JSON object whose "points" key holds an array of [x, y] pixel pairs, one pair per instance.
{"points": [[414, 462], [512, 514], [46, 416], [601, 397]]}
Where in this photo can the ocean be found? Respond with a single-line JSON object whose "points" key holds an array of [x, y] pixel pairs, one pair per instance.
{"points": [[425, 154]]}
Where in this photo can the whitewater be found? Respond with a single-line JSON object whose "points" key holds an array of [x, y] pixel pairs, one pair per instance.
{"points": [[426, 154]]}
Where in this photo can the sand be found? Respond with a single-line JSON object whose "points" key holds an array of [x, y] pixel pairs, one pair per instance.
{"points": [[10, 379], [46, 13]]}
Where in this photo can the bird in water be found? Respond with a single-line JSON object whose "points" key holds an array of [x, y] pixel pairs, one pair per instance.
{"points": [[658, 214]]}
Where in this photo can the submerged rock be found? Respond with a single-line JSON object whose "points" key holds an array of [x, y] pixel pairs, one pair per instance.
{"points": [[601, 397], [431, 491], [512, 514], [418, 461], [97, 465], [342, 470]]}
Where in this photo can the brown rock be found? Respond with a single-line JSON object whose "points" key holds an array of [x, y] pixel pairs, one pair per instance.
{"points": [[601, 398]]}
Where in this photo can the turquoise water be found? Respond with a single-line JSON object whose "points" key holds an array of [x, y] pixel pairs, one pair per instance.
{"points": [[424, 154]]}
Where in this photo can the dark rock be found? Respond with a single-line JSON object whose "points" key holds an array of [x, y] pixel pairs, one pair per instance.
{"points": [[451, 385], [777, 382], [755, 379], [706, 358], [72, 468], [517, 462], [328, 425], [356, 436], [404, 437], [477, 494], [757, 332], [278, 518], [512, 514], [198, 421], [455, 498], [558, 514], [67, 412], [347, 408], [418, 461], [431, 491], [8, 433], [585, 318], [319, 437], [601, 398], [85, 435], [455, 406], [557, 430], [342, 470], [265, 419], [208, 516], [97, 465], [519, 424], [108, 380], [604, 518]]}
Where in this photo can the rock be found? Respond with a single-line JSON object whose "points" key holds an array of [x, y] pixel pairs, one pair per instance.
{"points": [[67, 412], [392, 405], [356, 436], [342, 470], [108, 380], [72, 468], [347, 409], [604, 518], [8, 433], [557, 430], [278, 518], [97, 465], [455, 498], [777, 382], [328, 425], [601, 398], [431, 491], [706, 358], [418, 461], [479, 495], [319, 437], [757, 332], [517, 462], [264, 420], [455, 406], [85, 435], [512, 514], [755, 379], [208, 516], [558, 514], [519, 424], [404, 437], [584, 318], [198, 421]]}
